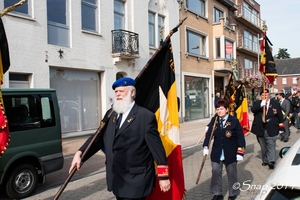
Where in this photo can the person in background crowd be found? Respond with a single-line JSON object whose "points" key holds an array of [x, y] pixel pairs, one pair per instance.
{"points": [[285, 106], [228, 148], [291, 113], [132, 144], [266, 127], [217, 98], [296, 104]]}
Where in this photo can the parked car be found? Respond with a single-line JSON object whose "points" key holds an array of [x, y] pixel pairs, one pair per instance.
{"points": [[35, 147], [284, 182]]}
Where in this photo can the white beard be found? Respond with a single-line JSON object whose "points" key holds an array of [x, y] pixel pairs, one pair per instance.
{"points": [[121, 106]]}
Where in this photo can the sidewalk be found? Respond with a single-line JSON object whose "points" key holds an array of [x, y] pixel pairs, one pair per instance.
{"points": [[250, 170]]}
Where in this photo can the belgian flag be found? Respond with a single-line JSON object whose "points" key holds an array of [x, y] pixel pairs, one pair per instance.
{"points": [[230, 94], [156, 90], [267, 64], [4, 66], [241, 109]]}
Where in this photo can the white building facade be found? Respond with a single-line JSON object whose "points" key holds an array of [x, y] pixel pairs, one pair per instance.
{"points": [[81, 47]]}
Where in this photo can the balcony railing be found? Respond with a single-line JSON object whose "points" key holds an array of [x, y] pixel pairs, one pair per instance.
{"points": [[246, 44], [246, 14], [125, 44]]}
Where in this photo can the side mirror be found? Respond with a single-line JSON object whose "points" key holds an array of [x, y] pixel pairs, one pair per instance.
{"points": [[283, 151]]}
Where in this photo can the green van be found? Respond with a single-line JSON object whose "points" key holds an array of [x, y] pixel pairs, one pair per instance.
{"points": [[35, 147]]}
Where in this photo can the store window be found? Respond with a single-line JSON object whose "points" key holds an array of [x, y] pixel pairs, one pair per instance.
{"points": [[196, 98], [78, 96]]}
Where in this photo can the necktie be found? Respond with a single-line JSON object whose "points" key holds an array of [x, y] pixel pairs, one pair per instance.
{"points": [[221, 123], [118, 122]]}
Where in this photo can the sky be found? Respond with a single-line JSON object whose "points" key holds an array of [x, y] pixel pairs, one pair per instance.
{"points": [[283, 22]]}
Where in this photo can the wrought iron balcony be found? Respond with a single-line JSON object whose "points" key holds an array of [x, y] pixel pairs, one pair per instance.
{"points": [[125, 44]]}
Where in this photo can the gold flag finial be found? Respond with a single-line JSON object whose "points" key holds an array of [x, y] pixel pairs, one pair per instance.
{"points": [[264, 26]]}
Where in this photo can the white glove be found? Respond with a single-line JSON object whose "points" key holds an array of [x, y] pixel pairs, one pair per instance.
{"points": [[239, 157], [205, 151], [206, 128], [263, 103]]}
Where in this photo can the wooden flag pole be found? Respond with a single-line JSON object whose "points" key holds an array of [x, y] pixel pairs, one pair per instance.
{"points": [[11, 8], [96, 135], [204, 157], [264, 29]]}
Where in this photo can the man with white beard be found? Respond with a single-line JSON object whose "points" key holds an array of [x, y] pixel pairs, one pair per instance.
{"points": [[132, 143]]}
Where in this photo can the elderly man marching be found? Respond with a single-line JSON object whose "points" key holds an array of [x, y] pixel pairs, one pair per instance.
{"points": [[131, 143], [266, 126]]}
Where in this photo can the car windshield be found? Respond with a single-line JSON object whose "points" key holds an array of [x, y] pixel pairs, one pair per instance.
{"points": [[284, 194]]}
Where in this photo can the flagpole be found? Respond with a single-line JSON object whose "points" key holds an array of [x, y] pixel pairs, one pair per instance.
{"points": [[98, 132], [174, 30], [264, 29], [11, 8], [204, 157]]}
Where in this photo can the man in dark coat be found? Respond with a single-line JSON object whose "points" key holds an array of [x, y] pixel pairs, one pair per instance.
{"points": [[228, 147], [130, 147], [267, 131]]}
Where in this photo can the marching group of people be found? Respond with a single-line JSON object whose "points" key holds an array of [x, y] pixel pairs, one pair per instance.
{"points": [[272, 118], [131, 142]]}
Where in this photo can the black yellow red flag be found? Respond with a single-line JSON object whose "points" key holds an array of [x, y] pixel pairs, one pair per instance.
{"points": [[156, 90], [4, 66], [267, 64], [241, 108], [230, 94]]}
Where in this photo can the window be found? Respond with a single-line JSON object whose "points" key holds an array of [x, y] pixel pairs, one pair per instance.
{"points": [[275, 82], [283, 80], [151, 27], [18, 80], [156, 30], [58, 24], [295, 80], [119, 13], [196, 43], [228, 50], [78, 98], [248, 64], [218, 48], [89, 15], [250, 14], [217, 15], [161, 28], [196, 6], [25, 112], [250, 41], [24, 9]]}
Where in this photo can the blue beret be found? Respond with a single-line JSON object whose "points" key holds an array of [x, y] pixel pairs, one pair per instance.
{"points": [[125, 81]]}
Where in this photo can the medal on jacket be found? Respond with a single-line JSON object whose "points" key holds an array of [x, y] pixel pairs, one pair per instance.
{"points": [[228, 134]]}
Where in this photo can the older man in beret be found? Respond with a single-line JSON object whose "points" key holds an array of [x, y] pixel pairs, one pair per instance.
{"points": [[132, 144]]}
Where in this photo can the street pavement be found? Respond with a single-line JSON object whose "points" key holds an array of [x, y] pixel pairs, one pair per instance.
{"points": [[251, 174]]}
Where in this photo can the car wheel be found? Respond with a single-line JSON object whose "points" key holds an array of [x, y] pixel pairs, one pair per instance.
{"points": [[22, 181]]}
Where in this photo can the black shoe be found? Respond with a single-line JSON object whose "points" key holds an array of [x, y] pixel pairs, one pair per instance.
{"points": [[232, 197], [218, 197], [271, 165], [264, 164]]}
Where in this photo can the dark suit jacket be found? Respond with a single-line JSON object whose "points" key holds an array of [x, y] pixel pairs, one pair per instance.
{"points": [[228, 142], [130, 154], [273, 117]]}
